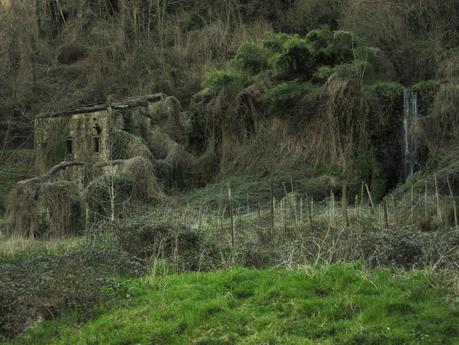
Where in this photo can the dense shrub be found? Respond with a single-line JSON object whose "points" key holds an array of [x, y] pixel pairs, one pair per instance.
{"points": [[275, 41], [252, 57], [282, 94], [149, 238], [216, 80], [322, 74], [297, 58], [368, 170]]}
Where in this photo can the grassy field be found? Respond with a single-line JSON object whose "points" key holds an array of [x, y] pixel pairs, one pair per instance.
{"points": [[337, 304]]}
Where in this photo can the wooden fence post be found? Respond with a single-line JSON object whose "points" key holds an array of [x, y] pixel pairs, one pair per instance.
{"points": [[370, 198], [301, 211], [394, 202], [230, 206], [311, 212], [454, 203], [344, 205], [332, 208], [272, 210], [386, 214], [437, 196]]}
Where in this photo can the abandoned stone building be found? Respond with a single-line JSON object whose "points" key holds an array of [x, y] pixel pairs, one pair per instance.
{"points": [[133, 143], [81, 138]]}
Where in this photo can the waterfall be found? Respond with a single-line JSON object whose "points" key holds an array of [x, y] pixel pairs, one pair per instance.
{"points": [[409, 144]]}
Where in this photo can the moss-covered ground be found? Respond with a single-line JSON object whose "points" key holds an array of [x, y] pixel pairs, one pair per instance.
{"points": [[338, 304]]}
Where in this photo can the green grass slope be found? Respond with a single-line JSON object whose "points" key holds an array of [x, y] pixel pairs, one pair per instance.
{"points": [[340, 304]]}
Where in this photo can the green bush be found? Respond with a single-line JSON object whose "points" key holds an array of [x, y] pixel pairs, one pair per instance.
{"points": [[297, 58], [252, 57], [275, 41], [283, 93], [368, 170], [345, 42], [387, 89], [360, 69], [322, 74], [322, 42], [216, 80]]}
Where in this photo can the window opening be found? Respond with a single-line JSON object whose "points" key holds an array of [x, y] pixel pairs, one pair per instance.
{"points": [[97, 144], [69, 146]]}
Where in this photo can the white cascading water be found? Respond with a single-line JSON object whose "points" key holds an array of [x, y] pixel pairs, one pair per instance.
{"points": [[409, 140]]}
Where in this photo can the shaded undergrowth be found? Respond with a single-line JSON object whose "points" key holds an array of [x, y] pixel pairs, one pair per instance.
{"points": [[62, 280]]}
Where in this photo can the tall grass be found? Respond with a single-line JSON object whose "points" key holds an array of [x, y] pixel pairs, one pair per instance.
{"points": [[15, 248]]}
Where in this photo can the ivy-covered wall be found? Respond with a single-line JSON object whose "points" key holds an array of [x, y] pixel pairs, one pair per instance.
{"points": [[78, 137]]}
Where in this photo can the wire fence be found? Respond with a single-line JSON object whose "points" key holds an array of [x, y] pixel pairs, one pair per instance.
{"points": [[296, 212]]}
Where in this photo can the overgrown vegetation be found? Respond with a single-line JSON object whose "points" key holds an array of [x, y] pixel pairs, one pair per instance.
{"points": [[43, 287], [16, 166], [288, 118]]}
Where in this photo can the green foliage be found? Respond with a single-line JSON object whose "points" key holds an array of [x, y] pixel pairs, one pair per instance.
{"points": [[322, 74], [216, 80], [322, 42], [387, 89], [14, 250], [428, 84], [328, 170], [296, 58], [59, 131], [275, 41], [368, 170], [336, 304], [360, 69], [252, 57], [428, 91], [345, 43], [283, 93]]}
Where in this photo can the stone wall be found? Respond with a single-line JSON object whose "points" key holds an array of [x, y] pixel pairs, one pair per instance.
{"points": [[77, 137]]}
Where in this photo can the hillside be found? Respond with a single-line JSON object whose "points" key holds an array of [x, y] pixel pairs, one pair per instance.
{"points": [[210, 172]]}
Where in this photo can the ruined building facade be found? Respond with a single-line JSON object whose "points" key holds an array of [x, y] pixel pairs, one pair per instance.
{"points": [[80, 139], [85, 156]]}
